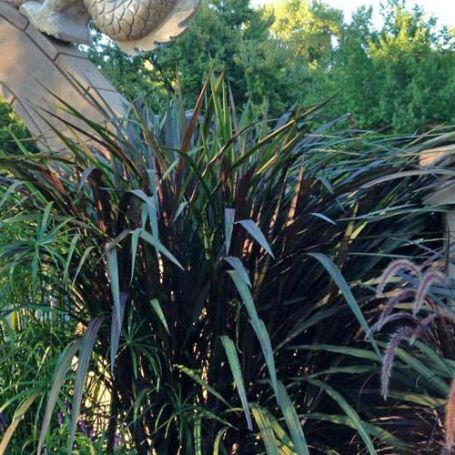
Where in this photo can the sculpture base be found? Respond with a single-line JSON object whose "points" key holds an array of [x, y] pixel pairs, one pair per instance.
{"points": [[35, 70]]}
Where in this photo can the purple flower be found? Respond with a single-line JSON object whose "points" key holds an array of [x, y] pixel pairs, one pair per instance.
{"points": [[3, 421], [88, 431], [83, 426], [68, 406], [60, 418], [117, 441]]}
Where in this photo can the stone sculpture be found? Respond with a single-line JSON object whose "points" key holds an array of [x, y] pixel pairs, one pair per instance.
{"points": [[39, 62], [134, 24]]}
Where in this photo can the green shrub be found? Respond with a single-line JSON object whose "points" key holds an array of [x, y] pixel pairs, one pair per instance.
{"points": [[11, 128]]}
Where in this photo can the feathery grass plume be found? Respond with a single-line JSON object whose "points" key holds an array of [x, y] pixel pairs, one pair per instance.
{"points": [[397, 338], [424, 324], [393, 269], [378, 326], [429, 278], [450, 419], [389, 356], [392, 302]]}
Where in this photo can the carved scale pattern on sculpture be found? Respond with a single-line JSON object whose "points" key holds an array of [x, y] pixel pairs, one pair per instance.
{"points": [[134, 24], [38, 57]]}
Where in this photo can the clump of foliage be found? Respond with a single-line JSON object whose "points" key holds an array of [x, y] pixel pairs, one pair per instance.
{"points": [[397, 77], [11, 128], [196, 263]]}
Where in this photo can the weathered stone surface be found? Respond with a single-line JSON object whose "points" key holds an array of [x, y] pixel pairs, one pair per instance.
{"points": [[86, 74], [34, 67], [13, 15], [135, 25], [6, 94], [42, 41]]}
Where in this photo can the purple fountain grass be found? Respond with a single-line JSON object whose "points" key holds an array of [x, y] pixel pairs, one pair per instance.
{"points": [[402, 333], [379, 325], [391, 304], [426, 280], [393, 269], [387, 363], [429, 278], [424, 325]]}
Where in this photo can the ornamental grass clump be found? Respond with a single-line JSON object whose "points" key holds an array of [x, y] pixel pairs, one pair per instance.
{"points": [[212, 275]]}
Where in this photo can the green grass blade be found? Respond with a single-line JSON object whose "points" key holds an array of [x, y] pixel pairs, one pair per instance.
{"points": [[346, 350], [71, 249], [234, 365], [446, 369], [196, 378], [62, 367], [253, 229], [18, 415], [117, 308], [112, 268], [85, 353], [373, 430], [229, 217], [151, 210], [159, 312], [237, 265], [197, 435], [82, 262], [433, 379], [292, 421], [134, 244], [160, 248], [336, 275], [266, 431], [357, 423], [182, 206], [218, 439], [258, 327], [11, 190], [45, 220]]}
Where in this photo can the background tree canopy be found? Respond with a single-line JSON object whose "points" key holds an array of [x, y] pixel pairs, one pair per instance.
{"points": [[398, 78]]}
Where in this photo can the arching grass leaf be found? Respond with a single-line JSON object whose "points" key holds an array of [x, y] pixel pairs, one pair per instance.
{"points": [[253, 229], [85, 353], [258, 327], [336, 275], [58, 379], [292, 421], [159, 312], [234, 365], [229, 217], [266, 431], [20, 411], [357, 423], [237, 265]]}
